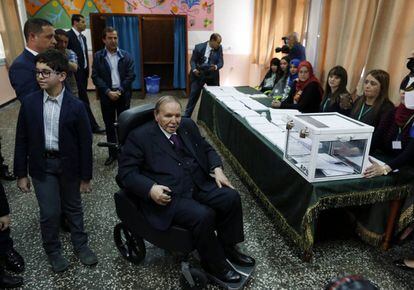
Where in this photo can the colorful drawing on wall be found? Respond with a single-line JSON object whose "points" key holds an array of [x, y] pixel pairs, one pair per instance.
{"points": [[200, 13]]}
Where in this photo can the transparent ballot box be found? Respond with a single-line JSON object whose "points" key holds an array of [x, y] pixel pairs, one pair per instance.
{"points": [[327, 146]]}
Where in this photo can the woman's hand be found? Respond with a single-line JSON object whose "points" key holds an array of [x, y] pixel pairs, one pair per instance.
{"points": [[276, 104]]}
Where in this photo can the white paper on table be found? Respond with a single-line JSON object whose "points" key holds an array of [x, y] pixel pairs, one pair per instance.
{"points": [[277, 139], [254, 105], [265, 127], [259, 96], [256, 120], [247, 113], [230, 90], [234, 105], [225, 98]]}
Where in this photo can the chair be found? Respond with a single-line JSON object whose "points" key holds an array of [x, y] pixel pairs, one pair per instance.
{"points": [[130, 233]]}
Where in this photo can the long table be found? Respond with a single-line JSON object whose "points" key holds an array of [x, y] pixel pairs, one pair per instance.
{"points": [[294, 202]]}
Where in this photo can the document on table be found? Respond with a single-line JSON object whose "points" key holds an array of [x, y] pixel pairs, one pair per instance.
{"points": [[254, 105], [234, 105], [246, 113], [256, 120], [331, 166], [259, 96]]}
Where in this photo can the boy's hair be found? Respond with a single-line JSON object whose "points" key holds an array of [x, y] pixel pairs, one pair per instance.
{"points": [[34, 25], [61, 32], [54, 59]]}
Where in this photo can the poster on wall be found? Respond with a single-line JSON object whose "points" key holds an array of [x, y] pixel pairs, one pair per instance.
{"points": [[200, 13]]}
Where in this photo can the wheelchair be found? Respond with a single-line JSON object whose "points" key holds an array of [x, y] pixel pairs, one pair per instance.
{"points": [[130, 233]]}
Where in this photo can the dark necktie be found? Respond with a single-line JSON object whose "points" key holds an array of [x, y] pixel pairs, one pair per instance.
{"points": [[209, 56], [175, 139]]}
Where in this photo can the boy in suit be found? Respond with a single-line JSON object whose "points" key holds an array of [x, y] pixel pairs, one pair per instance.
{"points": [[54, 144]]}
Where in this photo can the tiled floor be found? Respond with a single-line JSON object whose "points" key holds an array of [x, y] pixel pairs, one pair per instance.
{"points": [[278, 262]]}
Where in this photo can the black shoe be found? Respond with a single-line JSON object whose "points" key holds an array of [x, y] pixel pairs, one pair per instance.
{"points": [[7, 281], [6, 174], [222, 271], [58, 262], [98, 130], [236, 257], [110, 160], [13, 261], [400, 264]]}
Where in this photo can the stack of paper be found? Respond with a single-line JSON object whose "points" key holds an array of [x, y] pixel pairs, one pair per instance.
{"points": [[254, 105], [246, 113], [234, 105]]}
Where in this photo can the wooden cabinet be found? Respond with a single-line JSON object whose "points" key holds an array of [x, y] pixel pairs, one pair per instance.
{"points": [[156, 33]]}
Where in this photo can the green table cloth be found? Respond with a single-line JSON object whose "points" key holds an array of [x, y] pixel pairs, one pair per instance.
{"points": [[294, 202]]}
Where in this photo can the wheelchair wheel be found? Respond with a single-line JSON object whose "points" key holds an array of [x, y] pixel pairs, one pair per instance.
{"points": [[130, 246], [200, 280]]}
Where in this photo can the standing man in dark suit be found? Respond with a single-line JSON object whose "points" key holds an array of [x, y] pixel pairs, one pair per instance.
{"points": [[205, 62], [112, 74], [168, 164], [54, 143], [77, 43], [39, 34], [6, 245]]}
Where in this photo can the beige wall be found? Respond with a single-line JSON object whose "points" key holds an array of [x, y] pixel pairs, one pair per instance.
{"points": [[6, 90]]}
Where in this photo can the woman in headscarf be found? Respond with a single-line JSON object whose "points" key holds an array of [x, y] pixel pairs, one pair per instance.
{"points": [[337, 98], [307, 93], [272, 76]]}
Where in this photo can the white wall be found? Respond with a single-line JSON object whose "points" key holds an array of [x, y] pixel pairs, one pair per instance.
{"points": [[234, 22]]}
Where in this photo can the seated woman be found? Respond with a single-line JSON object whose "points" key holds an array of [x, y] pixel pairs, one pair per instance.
{"points": [[272, 76], [279, 90], [374, 104], [395, 138], [337, 98], [307, 93]]}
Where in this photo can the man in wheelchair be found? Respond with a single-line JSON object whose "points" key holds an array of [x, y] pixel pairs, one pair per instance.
{"points": [[179, 179]]}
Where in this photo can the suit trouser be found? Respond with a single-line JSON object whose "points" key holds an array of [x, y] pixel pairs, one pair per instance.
{"points": [[82, 83], [6, 242], [110, 113], [196, 85], [219, 209], [57, 193]]}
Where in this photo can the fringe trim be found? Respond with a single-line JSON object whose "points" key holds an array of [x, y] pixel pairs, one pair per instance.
{"points": [[306, 241]]}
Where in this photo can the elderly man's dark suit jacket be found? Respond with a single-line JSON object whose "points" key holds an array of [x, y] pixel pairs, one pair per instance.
{"points": [[22, 75], [198, 58], [75, 138], [148, 158], [4, 205], [74, 45], [101, 73]]}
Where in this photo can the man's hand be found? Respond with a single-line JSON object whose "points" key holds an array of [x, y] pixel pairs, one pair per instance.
{"points": [[196, 72], [4, 222], [85, 186], [213, 67], [158, 195], [221, 178], [114, 95], [23, 184]]}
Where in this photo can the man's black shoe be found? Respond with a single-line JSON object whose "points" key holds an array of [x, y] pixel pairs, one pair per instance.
{"points": [[6, 174], [7, 281], [222, 271], [98, 130], [236, 257], [13, 261], [110, 160]]}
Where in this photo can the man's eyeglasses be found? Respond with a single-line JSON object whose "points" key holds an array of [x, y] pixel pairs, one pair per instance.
{"points": [[45, 73]]}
